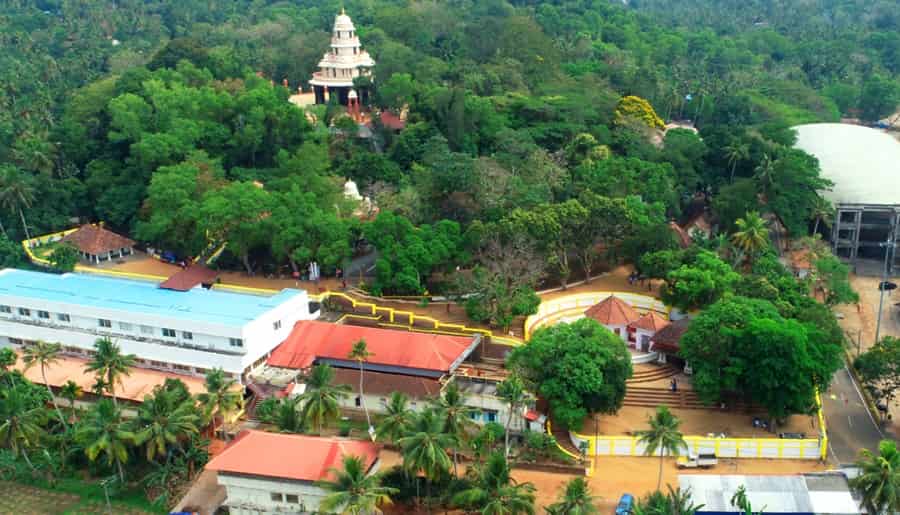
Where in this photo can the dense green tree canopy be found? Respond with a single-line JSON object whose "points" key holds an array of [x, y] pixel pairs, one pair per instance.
{"points": [[580, 368]]}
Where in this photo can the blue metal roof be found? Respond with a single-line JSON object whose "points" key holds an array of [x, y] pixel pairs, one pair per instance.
{"points": [[198, 304]]}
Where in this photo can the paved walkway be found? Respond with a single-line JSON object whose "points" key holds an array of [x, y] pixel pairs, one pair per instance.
{"points": [[850, 425]]}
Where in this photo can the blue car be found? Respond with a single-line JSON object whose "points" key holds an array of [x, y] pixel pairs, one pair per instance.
{"points": [[626, 504]]}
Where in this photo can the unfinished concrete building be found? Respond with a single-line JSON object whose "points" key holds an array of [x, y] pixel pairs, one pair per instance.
{"points": [[864, 165]]}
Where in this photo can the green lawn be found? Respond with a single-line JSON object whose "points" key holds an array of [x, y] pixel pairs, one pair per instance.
{"points": [[29, 500]]}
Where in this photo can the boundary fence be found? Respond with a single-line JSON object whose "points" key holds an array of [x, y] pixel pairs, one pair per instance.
{"points": [[777, 448]]}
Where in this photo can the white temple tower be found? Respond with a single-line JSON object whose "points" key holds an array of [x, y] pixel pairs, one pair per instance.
{"points": [[344, 61]]}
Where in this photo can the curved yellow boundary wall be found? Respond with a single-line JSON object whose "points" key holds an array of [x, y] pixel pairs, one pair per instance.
{"points": [[551, 311]]}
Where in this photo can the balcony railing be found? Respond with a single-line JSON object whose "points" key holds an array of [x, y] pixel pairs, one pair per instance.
{"points": [[114, 334]]}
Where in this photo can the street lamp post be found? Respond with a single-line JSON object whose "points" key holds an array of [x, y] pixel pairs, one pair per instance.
{"points": [[887, 246]]}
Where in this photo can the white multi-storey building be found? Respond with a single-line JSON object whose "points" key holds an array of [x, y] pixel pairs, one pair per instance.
{"points": [[188, 332]]}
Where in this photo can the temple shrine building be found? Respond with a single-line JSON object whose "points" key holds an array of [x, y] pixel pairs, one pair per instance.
{"points": [[345, 61]]}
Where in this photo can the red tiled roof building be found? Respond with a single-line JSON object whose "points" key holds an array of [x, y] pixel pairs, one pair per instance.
{"points": [[97, 244]]}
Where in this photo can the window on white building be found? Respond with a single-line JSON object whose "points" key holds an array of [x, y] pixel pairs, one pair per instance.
{"points": [[236, 342], [5, 309], [291, 498], [490, 416], [63, 317], [187, 335], [276, 497], [168, 333], [25, 312], [358, 401], [125, 326], [276, 325], [104, 322], [43, 314], [146, 329]]}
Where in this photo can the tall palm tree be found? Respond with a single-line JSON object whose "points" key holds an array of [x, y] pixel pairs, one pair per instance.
{"points": [[354, 492], [878, 482], [424, 448], [163, 421], [71, 392], [221, 398], [44, 354], [822, 211], [575, 500], [735, 152], [764, 173], [398, 417], [360, 353], [322, 399], [675, 502], [16, 192], [451, 406], [663, 436], [21, 424], [751, 236], [495, 492], [110, 365], [512, 391], [103, 431]]}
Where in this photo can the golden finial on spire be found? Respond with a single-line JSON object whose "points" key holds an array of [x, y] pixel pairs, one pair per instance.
{"points": [[342, 11]]}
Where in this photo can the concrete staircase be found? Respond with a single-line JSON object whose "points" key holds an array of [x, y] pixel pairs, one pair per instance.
{"points": [[653, 397], [654, 374]]}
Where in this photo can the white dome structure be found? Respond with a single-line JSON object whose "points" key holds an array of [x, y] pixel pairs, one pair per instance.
{"points": [[864, 165]]}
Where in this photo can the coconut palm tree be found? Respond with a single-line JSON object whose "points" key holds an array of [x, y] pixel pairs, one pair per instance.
{"points": [[221, 398], [21, 424], [353, 491], [321, 398], [110, 365], [735, 152], [103, 431], [163, 421], [751, 236], [71, 392], [764, 173], [663, 437], [424, 448], [512, 391], [675, 502], [16, 193], [878, 482], [288, 416], [397, 417], [575, 500], [822, 211], [495, 492], [360, 353], [451, 406], [44, 354]]}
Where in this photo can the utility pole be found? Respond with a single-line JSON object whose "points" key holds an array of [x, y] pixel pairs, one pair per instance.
{"points": [[887, 245]]}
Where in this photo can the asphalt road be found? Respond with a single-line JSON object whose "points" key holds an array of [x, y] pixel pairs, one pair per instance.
{"points": [[850, 425]]}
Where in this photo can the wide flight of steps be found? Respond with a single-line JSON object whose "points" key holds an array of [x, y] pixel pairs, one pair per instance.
{"points": [[646, 375], [653, 397]]}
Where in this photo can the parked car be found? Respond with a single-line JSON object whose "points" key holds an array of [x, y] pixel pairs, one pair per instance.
{"points": [[702, 460], [626, 504]]}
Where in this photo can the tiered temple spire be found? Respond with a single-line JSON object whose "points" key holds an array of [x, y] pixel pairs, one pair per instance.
{"points": [[345, 61]]}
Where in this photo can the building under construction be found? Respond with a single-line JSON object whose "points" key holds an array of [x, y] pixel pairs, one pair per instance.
{"points": [[864, 165]]}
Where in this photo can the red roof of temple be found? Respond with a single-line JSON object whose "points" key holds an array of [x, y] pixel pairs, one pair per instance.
{"points": [[668, 339], [392, 121], [310, 340], [94, 240], [651, 321], [184, 280], [286, 456], [612, 311]]}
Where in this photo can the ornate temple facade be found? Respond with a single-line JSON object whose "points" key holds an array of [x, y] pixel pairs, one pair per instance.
{"points": [[345, 61]]}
